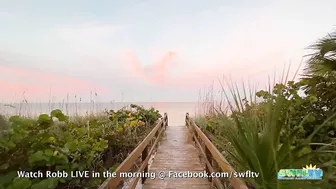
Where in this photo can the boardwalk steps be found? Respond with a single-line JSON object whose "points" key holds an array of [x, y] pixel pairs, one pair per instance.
{"points": [[178, 149], [177, 153]]}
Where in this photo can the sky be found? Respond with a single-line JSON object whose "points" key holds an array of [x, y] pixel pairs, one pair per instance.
{"points": [[150, 50]]}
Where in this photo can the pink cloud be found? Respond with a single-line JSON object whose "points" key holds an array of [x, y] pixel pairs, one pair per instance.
{"points": [[195, 77], [155, 74], [188, 79], [38, 83]]}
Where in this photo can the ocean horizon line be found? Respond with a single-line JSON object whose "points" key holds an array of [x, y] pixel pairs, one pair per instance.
{"points": [[103, 102]]}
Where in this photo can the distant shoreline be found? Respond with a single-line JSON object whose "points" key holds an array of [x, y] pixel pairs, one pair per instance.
{"points": [[96, 102], [176, 110]]}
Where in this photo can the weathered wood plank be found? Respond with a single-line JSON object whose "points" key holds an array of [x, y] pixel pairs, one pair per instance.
{"points": [[177, 153], [211, 155], [141, 149]]}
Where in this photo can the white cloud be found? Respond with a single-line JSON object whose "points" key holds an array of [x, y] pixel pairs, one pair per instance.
{"points": [[88, 38], [5, 16], [88, 31]]}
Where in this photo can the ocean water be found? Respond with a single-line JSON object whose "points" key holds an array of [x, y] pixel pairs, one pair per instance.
{"points": [[176, 110]]}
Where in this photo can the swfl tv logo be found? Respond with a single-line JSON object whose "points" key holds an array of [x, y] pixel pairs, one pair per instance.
{"points": [[306, 173]]}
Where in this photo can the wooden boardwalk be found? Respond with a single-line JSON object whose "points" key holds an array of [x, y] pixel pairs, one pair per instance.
{"points": [[177, 153]]}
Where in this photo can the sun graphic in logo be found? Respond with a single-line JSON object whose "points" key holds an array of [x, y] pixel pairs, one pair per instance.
{"points": [[311, 167]]}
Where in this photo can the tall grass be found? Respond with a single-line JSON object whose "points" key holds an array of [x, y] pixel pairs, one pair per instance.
{"points": [[30, 109], [251, 141]]}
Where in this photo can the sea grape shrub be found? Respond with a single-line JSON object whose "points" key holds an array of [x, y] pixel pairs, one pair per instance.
{"points": [[31, 145], [150, 116], [131, 127], [300, 111], [3, 123], [54, 142], [297, 107]]}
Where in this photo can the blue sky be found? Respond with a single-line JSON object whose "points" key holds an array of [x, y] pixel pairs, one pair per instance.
{"points": [[97, 45]]}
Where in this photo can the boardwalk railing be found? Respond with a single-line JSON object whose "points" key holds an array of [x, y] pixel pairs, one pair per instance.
{"points": [[213, 158], [141, 150]]}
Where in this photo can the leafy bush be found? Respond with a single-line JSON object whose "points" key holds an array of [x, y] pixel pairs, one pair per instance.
{"points": [[137, 112], [285, 129], [291, 126], [53, 142], [3, 123], [279, 132], [299, 107]]}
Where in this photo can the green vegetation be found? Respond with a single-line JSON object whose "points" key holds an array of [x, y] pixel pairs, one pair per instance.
{"points": [[280, 128], [55, 142]]}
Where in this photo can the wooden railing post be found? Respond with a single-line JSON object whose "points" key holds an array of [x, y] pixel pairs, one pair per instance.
{"points": [[166, 120], [209, 158], [143, 157], [190, 127], [215, 168], [144, 149], [215, 161], [186, 120], [157, 135]]}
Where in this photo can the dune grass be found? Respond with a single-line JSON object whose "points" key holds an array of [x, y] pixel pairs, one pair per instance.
{"points": [[257, 135]]}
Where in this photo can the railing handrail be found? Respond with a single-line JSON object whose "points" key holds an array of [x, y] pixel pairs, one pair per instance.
{"points": [[210, 153], [140, 150]]}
